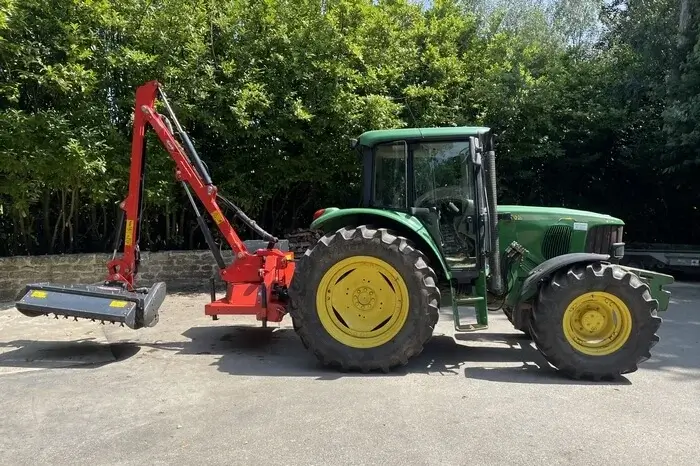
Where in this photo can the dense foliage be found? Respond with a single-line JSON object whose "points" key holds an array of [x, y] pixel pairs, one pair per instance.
{"points": [[595, 106]]}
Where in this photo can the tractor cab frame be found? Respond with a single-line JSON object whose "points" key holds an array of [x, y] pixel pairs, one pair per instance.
{"points": [[441, 176]]}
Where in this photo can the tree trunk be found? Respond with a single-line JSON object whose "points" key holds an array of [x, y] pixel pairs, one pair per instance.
{"points": [[46, 208], [105, 220], [173, 223], [683, 23], [59, 223], [167, 224], [12, 245], [93, 224], [75, 216], [24, 232], [190, 241], [69, 221], [181, 228]]}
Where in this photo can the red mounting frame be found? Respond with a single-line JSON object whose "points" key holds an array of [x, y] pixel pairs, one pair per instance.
{"points": [[256, 283]]}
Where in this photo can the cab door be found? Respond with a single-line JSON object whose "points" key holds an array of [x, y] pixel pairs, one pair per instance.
{"points": [[443, 182]]}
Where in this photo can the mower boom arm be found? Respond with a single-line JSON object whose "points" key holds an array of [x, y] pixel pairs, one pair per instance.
{"points": [[124, 269], [256, 282]]}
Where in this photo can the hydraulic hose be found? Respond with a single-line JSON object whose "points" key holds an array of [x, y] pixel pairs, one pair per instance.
{"points": [[205, 230], [188, 146], [272, 240], [203, 171]]}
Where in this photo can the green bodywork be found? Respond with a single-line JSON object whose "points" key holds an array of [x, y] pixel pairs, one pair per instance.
{"points": [[524, 225], [656, 282], [528, 225], [334, 218], [372, 138]]}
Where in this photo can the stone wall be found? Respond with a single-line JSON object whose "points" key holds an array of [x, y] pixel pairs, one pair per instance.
{"points": [[180, 270]]}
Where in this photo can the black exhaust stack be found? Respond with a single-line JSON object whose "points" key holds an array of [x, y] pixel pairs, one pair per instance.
{"points": [[496, 283]]}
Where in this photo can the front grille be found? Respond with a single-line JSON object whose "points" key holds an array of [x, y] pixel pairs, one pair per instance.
{"points": [[556, 241], [601, 237]]}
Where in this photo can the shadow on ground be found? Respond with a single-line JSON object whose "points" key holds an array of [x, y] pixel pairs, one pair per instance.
{"points": [[679, 345], [278, 352], [6, 306], [85, 353], [255, 351]]}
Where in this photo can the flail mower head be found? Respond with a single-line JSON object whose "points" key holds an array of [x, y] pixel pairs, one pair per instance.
{"points": [[135, 309]]}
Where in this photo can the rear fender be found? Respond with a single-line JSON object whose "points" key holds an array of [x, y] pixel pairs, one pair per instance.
{"points": [[404, 224]]}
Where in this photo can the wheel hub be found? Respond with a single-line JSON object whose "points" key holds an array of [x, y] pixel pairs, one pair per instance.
{"points": [[363, 298], [597, 323], [593, 321]]}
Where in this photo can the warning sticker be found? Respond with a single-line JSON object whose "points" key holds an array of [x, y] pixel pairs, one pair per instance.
{"points": [[580, 226], [218, 218], [118, 304], [38, 294], [129, 235]]}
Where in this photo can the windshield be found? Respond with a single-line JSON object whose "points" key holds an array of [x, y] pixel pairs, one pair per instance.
{"points": [[441, 172]]}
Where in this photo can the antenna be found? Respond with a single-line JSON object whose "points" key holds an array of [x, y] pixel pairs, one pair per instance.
{"points": [[415, 120], [408, 107]]}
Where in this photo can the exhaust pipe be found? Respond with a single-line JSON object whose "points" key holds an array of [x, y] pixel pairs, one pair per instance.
{"points": [[496, 278]]}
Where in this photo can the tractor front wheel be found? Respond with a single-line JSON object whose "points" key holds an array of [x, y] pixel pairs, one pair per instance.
{"points": [[364, 299], [595, 321]]}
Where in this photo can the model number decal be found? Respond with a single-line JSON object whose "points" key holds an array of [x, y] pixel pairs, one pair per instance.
{"points": [[579, 226]]}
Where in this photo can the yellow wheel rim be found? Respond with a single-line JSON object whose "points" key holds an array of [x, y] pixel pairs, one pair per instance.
{"points": [[597, 323], [362, 302]]}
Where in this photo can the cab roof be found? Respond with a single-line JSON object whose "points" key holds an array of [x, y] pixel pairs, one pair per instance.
{"points": [[371, 138]]}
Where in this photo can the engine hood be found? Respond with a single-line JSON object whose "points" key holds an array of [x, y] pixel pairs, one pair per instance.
{"points": [[524, 212]]}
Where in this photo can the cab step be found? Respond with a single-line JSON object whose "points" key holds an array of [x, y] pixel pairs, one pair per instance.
{"points": [[477, 302]]}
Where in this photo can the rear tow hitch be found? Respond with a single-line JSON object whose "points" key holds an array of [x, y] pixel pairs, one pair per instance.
{"points": [[135, 309]]}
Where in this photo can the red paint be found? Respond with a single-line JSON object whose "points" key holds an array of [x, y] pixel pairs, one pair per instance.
{"points": [[252, 279], [318, 213]]}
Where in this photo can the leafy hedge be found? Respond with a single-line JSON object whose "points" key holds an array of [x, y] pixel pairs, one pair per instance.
{"points": [[593, 109]]}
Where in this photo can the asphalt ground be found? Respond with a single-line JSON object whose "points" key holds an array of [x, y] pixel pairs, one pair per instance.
{"points": [[196, 391]]}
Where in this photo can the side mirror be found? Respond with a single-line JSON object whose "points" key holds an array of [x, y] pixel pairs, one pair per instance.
{"points": [[475, 151]]}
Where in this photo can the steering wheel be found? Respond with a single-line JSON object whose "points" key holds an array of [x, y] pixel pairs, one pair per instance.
{"points": [[453, 196]]}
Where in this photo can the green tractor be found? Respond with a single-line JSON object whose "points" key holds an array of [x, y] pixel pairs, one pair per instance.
{"points": [[367, 295]]}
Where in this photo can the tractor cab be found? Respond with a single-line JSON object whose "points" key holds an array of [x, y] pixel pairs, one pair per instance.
{"points": [[437, 175]]}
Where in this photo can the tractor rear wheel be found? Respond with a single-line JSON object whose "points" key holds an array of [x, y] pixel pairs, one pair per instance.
{"points": [[364, 299], [595, 321]]}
